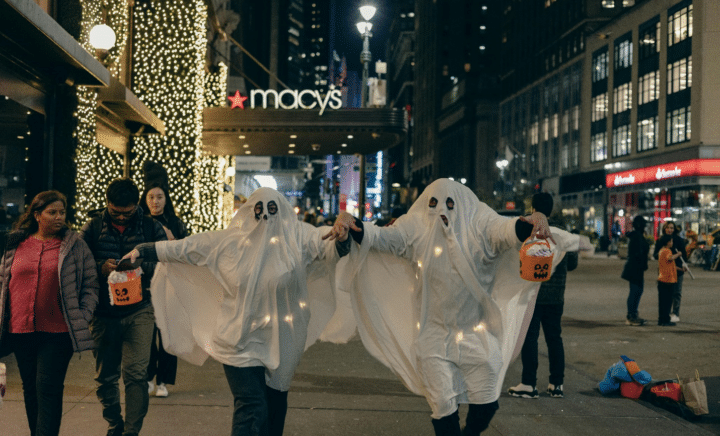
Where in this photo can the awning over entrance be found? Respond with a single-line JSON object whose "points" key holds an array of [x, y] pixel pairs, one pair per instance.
{"points": [[32, 37], [278, 132]]}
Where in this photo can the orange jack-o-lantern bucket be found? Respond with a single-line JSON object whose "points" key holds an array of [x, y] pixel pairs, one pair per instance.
{"points": [[535, 263], [127, 292]]}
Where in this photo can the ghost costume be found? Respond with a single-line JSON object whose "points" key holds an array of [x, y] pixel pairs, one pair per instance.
{"points": [[244, 296], [444, 306]]}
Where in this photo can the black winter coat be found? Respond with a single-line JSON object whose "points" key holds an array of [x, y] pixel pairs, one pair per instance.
{"points": [[111, 244], [553, 290], [637, 261]]}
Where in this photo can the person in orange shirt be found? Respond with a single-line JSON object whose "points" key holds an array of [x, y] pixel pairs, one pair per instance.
{"points": [[666, 279]]}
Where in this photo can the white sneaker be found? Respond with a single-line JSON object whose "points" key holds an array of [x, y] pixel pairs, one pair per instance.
{"points": [[161, 390], [151, 387], [674, 318]]}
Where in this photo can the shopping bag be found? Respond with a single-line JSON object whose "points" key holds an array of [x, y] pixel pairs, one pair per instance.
{"points": [[695, 394]]}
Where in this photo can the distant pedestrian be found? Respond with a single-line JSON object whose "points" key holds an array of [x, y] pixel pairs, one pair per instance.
{"points": [[157, 203], [669, 228], [123, 333], [635, 267], [667, 278], [48, 296]]}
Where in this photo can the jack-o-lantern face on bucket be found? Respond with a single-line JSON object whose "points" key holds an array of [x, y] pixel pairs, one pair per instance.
{"points": [[121, 295], [541, 271]]}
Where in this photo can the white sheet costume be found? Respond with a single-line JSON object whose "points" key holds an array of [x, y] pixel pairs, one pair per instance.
{"points": [[443, 306], [245, 295]]}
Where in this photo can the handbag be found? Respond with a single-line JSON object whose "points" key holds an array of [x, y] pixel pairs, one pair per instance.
{"points": [[695, 394]]}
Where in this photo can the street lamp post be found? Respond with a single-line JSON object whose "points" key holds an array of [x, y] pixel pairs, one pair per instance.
{"points": [[502, 164], [364, 28]]}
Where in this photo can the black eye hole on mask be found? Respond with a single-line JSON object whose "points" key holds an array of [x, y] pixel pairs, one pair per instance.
{"points": [[433, 202], [272, 207], [450, 203], [258, 209]]}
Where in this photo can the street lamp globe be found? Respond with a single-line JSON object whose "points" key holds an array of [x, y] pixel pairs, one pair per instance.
{"points": [[367, 12], [363, 27], [102, 37]]}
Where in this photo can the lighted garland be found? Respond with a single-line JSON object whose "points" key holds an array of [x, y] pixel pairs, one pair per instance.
{"points": [[96, 164], [216, 204], [168, 76]]}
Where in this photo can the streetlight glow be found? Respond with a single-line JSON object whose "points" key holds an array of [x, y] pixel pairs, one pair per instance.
{"points": [[367, 12], [363, 27], [102, 37]]}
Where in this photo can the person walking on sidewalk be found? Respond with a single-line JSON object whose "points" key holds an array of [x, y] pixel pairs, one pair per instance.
{"points": [[157, 202], [252, 297], [669, 228], [441, 299], [667, 278], [47, 299], [123, 334], [548, 313], [635, 267]]}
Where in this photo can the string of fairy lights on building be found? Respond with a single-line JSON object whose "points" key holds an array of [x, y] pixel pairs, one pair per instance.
{"points": [[214, 173], [169, 50], [97, 165]]}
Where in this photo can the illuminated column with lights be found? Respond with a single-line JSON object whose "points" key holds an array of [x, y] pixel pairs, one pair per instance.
{"points": [[169, 77], [97, 165]]}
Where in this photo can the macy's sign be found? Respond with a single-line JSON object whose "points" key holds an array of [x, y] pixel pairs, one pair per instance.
{"points": [[289, 99]]}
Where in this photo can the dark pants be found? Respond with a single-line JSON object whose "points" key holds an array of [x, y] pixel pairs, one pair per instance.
{"points": [[633, 301], [43, 360], [163, 365], [547, 315], [665, 291], [478, 420], [677, 295], [123, 344], [259, 409]]}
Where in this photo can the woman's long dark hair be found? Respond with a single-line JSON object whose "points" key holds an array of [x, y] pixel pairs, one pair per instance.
{"points": [[168, 211], [27, 221]]}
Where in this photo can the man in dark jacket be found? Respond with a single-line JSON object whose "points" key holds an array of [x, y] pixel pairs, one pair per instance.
{"points": [[635, 267], [548, 313], [122, 333]]}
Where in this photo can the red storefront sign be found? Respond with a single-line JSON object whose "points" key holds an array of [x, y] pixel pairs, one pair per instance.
{"points": [[687, 168]]}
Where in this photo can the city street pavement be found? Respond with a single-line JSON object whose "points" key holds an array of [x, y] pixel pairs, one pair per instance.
{"points": [[341, 390]]}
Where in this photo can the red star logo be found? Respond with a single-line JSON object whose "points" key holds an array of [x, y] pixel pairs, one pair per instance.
{"points": [[237, 100]]}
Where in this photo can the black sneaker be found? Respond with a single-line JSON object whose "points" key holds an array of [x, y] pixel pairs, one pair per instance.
{"points": [[555, 391], [523, 391]]}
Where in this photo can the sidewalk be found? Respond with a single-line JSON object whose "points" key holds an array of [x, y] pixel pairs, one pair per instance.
{"points": [[340, 390]]}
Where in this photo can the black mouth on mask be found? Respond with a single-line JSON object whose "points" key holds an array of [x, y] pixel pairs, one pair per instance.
{"points": [[444, 219]]}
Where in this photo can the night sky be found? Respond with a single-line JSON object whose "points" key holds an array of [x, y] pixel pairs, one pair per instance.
{"points": [[348, 41]]}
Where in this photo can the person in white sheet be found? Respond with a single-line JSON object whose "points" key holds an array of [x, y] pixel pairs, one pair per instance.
{"points": [[241, 296], [450, 323]]}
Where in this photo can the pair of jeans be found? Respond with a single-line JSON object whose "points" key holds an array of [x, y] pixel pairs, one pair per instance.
{"points": [[123, 345], [43, 360], [677, 295], [665, 291], [633, 301], [259, 410], [163, 365], [549, 316]]}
